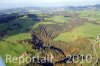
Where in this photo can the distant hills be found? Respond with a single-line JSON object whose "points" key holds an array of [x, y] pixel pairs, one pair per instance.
{"points": [[97, 7], [47, 9]]}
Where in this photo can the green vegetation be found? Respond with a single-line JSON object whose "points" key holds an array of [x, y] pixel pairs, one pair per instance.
{"points": [[68, 33], [87, 30], [42, 23], [90, 14], [21, 36], [14, 49], [59, 19]]}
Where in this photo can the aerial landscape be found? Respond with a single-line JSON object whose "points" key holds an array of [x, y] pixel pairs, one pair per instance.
{"points": [[46, 34]]}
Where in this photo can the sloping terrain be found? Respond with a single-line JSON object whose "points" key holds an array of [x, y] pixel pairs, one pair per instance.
{"points": [[57, 34]]}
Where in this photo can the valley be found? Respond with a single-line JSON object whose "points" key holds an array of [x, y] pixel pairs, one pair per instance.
{"points": [[56, 33]]}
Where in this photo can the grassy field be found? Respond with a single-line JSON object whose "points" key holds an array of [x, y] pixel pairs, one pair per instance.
{"points": [[90, 14], [41, 23], [20, 36], [13, 49], [59, 19], [9, 44], [87, 30]]}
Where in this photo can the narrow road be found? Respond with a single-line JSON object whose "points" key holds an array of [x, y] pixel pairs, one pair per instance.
{"points": [[94, 47]]}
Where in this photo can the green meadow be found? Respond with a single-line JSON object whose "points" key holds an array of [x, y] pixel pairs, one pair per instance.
{"points": [[86, 30], [21, 29]]}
